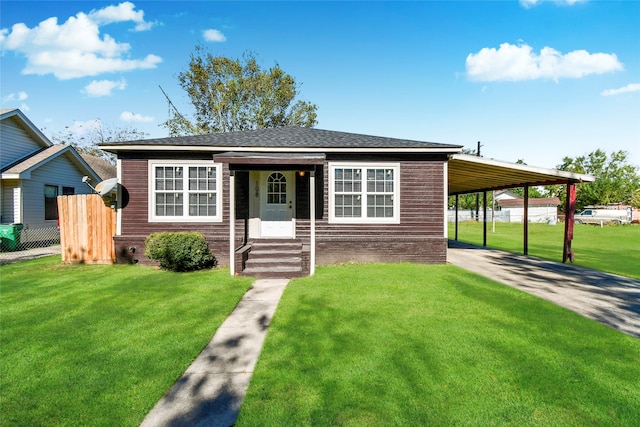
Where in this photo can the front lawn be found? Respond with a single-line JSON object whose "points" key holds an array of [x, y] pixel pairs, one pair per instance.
{"points": [[614, 249], [404, 344], [101, 344]]}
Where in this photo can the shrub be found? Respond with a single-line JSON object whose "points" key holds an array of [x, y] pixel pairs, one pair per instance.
{"points": [[179, 251]]}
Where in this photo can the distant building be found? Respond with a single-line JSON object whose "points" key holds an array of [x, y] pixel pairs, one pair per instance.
{"points": [[511, 208]]}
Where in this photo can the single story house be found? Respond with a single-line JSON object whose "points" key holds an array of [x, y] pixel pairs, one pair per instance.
{"points": [[34, 172], [286, 199], [281, 201]]}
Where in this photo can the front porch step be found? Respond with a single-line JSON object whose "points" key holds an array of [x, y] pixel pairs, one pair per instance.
{"points": [[274, 259], [293, 261]]}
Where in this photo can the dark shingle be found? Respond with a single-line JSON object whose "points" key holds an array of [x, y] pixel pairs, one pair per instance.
{"points": [[289, 137]]}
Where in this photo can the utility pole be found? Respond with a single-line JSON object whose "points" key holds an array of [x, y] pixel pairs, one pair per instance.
{"points": [[478, 195]]}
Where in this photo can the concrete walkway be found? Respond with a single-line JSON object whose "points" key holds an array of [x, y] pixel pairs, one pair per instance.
{"points": [[609, 299], [212, 389], [8, 257]]}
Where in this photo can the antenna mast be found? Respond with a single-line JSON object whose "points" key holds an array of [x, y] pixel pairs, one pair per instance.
{"points": [[171, 105]]}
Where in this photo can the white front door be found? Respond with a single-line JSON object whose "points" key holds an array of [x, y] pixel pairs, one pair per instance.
{"points": [[277, 204]]}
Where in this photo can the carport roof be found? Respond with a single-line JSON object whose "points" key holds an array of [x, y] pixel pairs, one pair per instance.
{"points": [[471, 174]]}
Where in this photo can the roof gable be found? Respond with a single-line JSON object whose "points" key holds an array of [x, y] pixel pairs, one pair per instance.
{"points": [[24, 123], [23, 168]]}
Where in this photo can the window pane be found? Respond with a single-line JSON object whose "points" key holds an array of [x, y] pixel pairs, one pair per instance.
{"points": [[380, 206], [347, 206], [169, 204], [50, 202], [276, 189], [201, 178], [202, 204]]}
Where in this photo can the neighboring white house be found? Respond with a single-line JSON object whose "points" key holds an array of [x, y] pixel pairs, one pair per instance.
{"points": [[33, 173], [511, 208]]}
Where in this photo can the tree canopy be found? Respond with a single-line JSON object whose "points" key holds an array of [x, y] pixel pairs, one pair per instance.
{"points": [[236, 94], [86, 139], [617, 181]]}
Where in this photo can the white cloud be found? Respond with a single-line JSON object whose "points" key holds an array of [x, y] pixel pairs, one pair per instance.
{"points": [[121, 13], [631, 87], [98, 88], [213, 36], [515, 63], [14, 98], [76, 48], [527, 4], [128, 116], [20, 96]]}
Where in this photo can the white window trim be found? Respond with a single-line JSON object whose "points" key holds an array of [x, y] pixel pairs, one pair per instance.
{"points": [[185, 218], [395, 219]]}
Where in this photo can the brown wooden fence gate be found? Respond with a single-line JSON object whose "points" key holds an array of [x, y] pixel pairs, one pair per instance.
{"points": [[87, 228]]}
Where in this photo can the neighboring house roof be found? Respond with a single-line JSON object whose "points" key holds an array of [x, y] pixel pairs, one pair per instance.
{"points": [[518, 203], [27, 125], [102, 167], [284, 138], [506, 194], [23, 168]]}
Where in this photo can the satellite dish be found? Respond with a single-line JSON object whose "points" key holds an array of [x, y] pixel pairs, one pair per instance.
{"points": [[106, 186]]}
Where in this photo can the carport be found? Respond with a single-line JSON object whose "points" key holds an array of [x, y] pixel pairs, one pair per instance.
{"points": [[472, 174]]}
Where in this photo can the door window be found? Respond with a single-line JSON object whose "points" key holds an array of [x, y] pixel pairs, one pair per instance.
{"points": [[277, 189]]}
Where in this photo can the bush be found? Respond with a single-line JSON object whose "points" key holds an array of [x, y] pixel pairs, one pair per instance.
{"points": [[180, 251]]}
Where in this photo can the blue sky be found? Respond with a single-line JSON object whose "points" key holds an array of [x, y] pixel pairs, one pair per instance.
{"points": [[531, 80]]}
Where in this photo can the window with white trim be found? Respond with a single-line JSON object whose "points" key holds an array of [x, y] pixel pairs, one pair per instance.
{"points": [[364, 193], [185, 191]]}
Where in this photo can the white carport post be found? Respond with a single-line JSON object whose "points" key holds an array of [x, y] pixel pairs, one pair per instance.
{"points": [[312, 217], [232, 222]]}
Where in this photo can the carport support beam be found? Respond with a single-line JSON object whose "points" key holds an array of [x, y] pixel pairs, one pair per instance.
{"points": [[456, 217], [525, 219], [569, 214], [484, 219]]}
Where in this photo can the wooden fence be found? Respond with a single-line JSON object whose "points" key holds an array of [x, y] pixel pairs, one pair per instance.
{"points": [[87, 228]]}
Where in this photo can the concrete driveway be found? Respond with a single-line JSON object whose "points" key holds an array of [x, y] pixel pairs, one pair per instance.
{"points": [[609, 299]]}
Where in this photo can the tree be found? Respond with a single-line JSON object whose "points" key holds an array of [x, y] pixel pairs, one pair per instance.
{"points": [[236, 94], [85, 138], [617, 181]]}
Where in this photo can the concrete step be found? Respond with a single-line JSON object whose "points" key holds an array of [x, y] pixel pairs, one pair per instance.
{"points": [[276, 246], [274, 258], [273, 253], [278, 261], [273, 272]]}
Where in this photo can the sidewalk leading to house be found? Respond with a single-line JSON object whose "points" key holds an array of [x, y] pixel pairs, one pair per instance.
{"points": [[607, 298], [7, 257], [212, 389]]}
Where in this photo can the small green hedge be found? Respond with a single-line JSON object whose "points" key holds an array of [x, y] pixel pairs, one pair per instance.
{"points": [[180, 251]]}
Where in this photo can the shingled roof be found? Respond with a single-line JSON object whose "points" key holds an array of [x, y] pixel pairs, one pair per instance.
{"points": [[296, 138]]}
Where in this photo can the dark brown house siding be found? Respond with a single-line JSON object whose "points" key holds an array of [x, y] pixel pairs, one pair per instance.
{"points": [[135, 225], [419, 237]]}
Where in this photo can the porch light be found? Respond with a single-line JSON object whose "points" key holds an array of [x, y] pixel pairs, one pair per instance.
{"points": [[301, 173]]}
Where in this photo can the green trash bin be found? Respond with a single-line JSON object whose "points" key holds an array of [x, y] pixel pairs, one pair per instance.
{"points": [[10, 236]]}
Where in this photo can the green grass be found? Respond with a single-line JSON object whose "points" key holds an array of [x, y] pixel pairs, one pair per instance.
{"points": [[100, 345], [404, 344], [614, 249]]}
